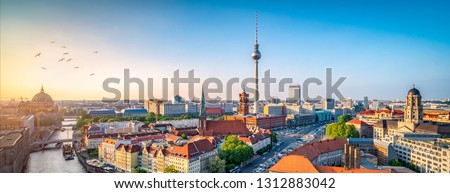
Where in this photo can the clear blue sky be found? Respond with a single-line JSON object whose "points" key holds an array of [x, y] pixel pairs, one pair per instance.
{"points": [[382, 47]]}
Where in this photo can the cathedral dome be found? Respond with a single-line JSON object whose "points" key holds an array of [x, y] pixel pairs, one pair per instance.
{"points": [[413, 91], [42, 97]]}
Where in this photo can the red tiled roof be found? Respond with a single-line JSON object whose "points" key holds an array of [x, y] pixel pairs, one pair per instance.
{"points": [[150, 149], [214, 110], [255, 138], [129, 148], [227, 127], [354, 121], [368, 112], [192, 149], [357, 122], [188, 132], [294, 164], [332, 169], [170, 137], [312, 150], [214, 140], [147, 138]]}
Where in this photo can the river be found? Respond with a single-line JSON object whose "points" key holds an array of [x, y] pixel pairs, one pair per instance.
{"points": [[52, 161]]}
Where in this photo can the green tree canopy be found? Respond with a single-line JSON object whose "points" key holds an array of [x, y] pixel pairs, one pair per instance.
{"points": [[235, 151], [342, 130], [216, 165], [273, 138], [139, 170], [170, 169], [344, 118]]}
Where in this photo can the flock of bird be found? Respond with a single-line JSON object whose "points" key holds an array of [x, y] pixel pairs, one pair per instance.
{"points": [[65, 54]]}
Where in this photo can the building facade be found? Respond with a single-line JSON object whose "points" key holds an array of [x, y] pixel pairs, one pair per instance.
{"points": [[134, 112], [430, 156]]}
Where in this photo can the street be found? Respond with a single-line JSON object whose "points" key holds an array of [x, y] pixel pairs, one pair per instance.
{"points": [[288, 139]]}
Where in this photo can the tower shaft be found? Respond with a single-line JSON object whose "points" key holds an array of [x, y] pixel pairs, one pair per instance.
{"points": [[256, 88]]}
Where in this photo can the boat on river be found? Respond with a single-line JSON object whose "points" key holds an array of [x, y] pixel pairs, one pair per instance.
{"points": [[68, 152]]}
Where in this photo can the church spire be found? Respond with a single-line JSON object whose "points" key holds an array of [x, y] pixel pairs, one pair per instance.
{"points": [[42, 88], [202, 106]]}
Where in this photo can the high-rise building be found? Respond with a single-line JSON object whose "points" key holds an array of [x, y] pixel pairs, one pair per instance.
{"points": [[294, 94], [347, 103], [327, 103], [366, 102], [375, 105]]}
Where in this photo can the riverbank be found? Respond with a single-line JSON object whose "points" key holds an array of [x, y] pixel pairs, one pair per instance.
{"points": [[82, 158], [50, 160]]}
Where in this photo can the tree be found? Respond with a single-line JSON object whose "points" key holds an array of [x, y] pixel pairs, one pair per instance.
{"points": [[216, 165], [139, 170], [273, 138], [394, 162], [95, 119], [184, 136], [230, 167], [235, 151], [344, 118], [170, 169], [342, 130]]}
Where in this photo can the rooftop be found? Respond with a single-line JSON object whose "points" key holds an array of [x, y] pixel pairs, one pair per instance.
{"points": [[192, 149], [313, 150], [136, 110], [227, 127], [99, 111], [9, 139], [294, 164], [332, 169]]}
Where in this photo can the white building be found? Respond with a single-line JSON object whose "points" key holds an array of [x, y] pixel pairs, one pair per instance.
{"points": [[118, 127], [293, 109], [308, 108], [191, 108], [274, 110], [347, 103], [257, 141], [192, 157], [431, 156]]}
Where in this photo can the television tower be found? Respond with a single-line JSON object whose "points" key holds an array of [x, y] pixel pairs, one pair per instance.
{"points": [[256, 55]]}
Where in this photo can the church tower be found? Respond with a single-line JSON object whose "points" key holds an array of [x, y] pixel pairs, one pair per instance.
{"points": [[413, 107], [202, 117], [243, 103]]}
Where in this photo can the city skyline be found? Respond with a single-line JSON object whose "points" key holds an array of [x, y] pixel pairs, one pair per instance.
{"points": [[394, 47]]}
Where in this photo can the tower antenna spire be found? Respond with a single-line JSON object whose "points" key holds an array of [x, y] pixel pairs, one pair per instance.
{"points": [[256, 26]]}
